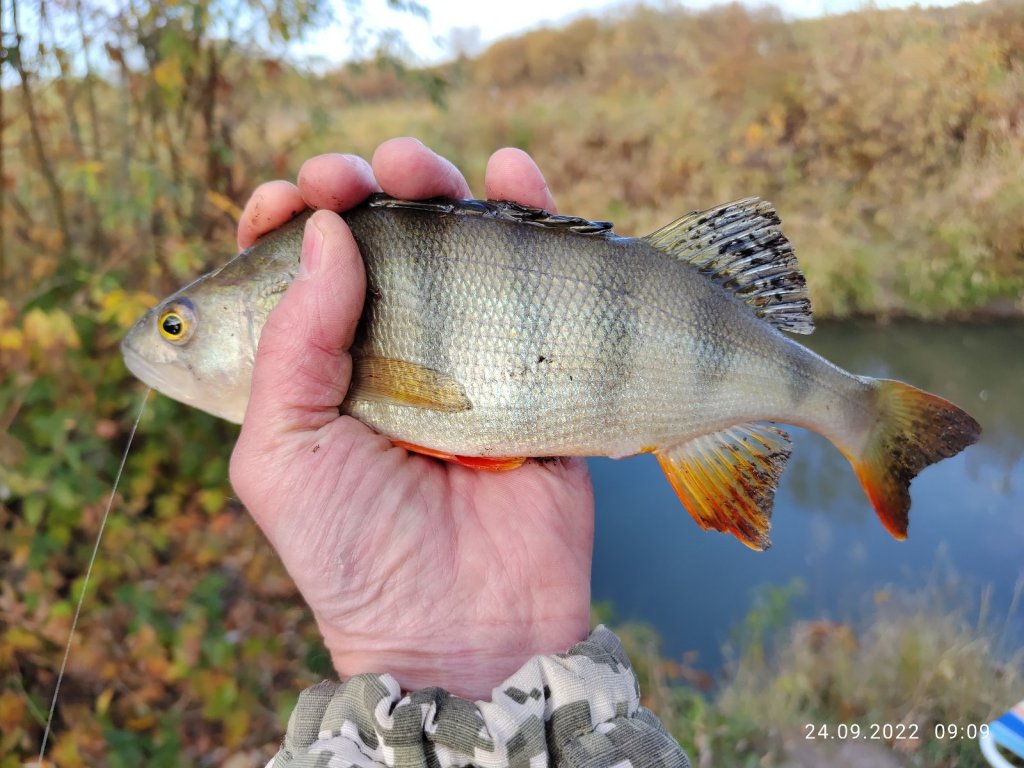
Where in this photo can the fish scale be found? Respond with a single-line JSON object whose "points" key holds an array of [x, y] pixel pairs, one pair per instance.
{"points": [[493, 332], [498, 337]]}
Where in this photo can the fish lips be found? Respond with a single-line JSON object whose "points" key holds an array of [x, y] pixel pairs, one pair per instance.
{"points": [[177, 379], [166, 375]]}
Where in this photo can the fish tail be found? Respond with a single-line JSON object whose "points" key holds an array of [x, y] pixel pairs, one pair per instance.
{"points": [[912, 429]]}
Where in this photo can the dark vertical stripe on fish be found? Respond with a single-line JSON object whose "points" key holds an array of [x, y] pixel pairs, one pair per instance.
{"points": [[799, 382], [620, 331], [714, 359], [434, 278], [529, 285]]}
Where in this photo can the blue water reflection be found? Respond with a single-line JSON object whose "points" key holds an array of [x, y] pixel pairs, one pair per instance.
{"points": [[653, 563]]}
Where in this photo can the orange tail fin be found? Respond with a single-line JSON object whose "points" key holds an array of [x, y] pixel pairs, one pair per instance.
{"points": [[913, 430]]}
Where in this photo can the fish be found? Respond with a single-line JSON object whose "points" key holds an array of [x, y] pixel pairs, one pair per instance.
{"points": [[493, 332]]}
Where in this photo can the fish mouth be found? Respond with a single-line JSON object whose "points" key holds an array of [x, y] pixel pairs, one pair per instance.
{"points": [[167, 378], [179, 382], [139, 366]]}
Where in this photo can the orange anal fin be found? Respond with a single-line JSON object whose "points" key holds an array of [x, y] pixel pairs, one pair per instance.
{"points": [[487, 463], [727, 480]]}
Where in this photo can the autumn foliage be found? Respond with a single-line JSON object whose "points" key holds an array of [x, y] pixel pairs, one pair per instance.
{"points": [[892, 143]]}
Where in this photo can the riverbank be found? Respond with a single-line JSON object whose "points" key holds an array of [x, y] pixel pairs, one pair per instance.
{"points": [[896, 690], [890, 142]]}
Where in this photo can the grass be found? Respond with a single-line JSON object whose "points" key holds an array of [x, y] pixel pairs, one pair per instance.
{"points": [[913, 667]]}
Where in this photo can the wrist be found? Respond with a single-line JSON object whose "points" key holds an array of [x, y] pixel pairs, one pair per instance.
{"points": [[578, 708], [467, 662]]}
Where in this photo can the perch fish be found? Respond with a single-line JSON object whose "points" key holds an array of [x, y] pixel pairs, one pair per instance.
{"points": [[493, 332]]}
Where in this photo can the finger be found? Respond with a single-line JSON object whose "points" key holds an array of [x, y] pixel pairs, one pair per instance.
{"points": [[407, 169], [336, 182], [303, 367], [513, 175], [270, 206]]}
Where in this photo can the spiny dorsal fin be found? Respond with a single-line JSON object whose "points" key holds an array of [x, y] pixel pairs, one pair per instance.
{"points": [[503, 210], [742, 248], [727, 480]]}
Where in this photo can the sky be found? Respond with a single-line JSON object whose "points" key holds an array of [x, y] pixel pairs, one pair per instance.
{"points": [[483, 23]]}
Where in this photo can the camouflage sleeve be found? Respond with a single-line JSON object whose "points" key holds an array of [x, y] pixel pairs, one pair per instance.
{"points": [[579, 708]]}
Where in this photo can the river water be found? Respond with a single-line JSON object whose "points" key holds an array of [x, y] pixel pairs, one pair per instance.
{"points": [[653, 564]]}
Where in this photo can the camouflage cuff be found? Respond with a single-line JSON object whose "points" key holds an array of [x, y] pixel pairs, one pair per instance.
{"points": [[579, 708]]}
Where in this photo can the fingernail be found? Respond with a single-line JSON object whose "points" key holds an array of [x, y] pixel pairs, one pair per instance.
{"points": [[312, 248]]}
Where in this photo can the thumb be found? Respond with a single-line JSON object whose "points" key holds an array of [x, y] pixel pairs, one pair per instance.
{"points": [[303, 366]]}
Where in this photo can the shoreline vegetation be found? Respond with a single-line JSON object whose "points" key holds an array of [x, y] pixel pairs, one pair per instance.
{"points": [[891, 142], [914, 665]]}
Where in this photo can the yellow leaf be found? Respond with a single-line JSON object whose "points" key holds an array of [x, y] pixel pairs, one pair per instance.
{"points": [[64, 328], [236, 727], [43, 266], [12, 711], [103, 701], [65, 753], [38, 330], [45, 330], [109, 303], [124, 307], [141, 722], [146, 636], [224, 203], [168, 75], [48, 238], [20, 555], [755, 135], [11, 338], [212, 499], [21, 639]]}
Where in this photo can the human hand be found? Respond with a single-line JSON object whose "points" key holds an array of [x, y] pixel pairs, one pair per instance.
{"points": [[435, 573]]}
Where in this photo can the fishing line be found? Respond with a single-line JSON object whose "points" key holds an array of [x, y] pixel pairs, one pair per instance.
{"points": [[88, 574]]}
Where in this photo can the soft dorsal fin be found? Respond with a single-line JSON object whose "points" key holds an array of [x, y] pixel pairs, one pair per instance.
{"points": [[741, 246]]}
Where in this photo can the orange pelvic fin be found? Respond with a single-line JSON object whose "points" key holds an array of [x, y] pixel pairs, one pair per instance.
{"points": [[487, 463], [727, 480], [913, 430]]}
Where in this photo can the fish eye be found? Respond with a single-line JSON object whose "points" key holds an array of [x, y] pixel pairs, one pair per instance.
{"points": [[176, 323]]}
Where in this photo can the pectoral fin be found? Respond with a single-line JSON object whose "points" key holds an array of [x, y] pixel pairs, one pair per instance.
{"points": [[727, 480], [385, 380]]}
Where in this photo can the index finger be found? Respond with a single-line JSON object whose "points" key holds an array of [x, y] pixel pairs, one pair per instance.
{"points": [[513, 175], [271, 204], [333, 181], [407, 169]]}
